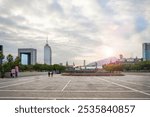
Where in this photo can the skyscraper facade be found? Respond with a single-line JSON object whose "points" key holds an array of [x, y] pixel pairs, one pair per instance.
{"points": [[146, 51], [47, 54], [1, 50]]}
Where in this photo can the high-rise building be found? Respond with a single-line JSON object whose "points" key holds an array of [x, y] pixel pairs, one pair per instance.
{"points": [[47, 54], [28, 56], [146, 51], [121, 56], [1, 51]]}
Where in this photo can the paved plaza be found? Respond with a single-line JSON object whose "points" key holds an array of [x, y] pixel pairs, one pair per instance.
{"points": [[130, 86]]}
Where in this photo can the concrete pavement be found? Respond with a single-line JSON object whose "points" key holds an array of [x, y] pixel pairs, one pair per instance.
{"points": [[76, 87]]}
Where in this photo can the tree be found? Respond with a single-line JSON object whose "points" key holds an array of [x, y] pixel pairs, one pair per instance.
{"points": [[9, 58], [17, 61], [1, 57], [113, 67], [1, 65]]}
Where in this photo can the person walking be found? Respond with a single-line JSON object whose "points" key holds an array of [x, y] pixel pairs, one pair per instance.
{"points": [[16, 71], [49, 73], [13, 73], [52, 74]]}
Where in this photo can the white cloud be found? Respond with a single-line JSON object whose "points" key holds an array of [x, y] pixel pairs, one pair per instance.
{"points": [[77, 29]]}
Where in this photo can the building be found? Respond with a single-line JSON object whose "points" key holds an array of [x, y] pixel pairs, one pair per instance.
{"points": [[1, 51], [28, 56], [47, 54], [121, 56], [129, 60], [146, 51]]}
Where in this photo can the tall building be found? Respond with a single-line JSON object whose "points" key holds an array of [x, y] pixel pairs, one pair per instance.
{"points": [[1, 50], [47, 54], [121, 56], [146, 51], [28, 56]]}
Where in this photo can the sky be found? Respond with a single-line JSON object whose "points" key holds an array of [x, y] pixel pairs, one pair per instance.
{"points": [[77, 30]]}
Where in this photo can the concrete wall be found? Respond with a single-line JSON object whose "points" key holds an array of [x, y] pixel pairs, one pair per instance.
{"points": [[23, 74]]}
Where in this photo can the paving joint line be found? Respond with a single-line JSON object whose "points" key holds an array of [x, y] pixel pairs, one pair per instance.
{"points": [[17, 81], [65, 86], [126, 87], [52, 91], [132, 83], [59, 98], [16, 84]]}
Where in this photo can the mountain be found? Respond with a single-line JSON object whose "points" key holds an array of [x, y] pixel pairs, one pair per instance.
{"points": [[103, 61]]}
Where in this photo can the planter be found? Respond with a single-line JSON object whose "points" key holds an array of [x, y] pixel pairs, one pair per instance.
{"points": [[92, 74]]}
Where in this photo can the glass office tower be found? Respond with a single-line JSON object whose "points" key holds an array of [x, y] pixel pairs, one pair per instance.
{"points": [[1, 50], [146, 51]]}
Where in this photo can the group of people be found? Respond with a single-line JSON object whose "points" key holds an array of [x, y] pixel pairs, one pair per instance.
{"points": [[14, 72], [50, 74]]}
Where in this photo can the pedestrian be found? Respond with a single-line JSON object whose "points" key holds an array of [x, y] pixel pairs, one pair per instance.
{"points": [[52, 74], [16, 71], [13, 73], [49, 73]]}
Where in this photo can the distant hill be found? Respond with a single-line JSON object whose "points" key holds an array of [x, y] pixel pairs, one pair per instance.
{"points": [[103, 61]]}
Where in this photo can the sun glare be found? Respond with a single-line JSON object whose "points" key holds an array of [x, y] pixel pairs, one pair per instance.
{"points": [[108, 52]]}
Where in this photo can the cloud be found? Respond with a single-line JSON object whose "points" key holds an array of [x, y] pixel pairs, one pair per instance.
{"points": [[7, 21], [77, 29]]}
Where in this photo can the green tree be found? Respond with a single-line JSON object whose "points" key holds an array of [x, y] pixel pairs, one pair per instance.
{"points": [[37, 67], [1, 57], [1, 66], [113, 67], [17, 61], [9, 58]]}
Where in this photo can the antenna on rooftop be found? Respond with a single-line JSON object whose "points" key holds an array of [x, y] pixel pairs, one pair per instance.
{"points": [[47, 40]]}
